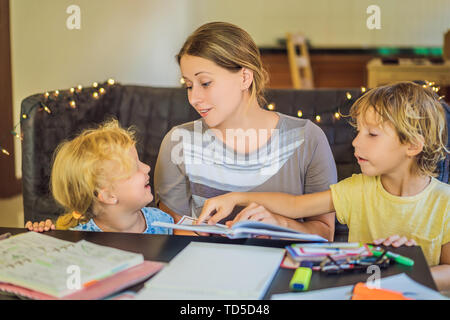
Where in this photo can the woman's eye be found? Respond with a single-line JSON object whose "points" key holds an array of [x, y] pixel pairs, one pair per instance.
{"points": [[372, 134], [206, 84]]}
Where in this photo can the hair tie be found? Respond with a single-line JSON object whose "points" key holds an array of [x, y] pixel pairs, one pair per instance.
{"points": [[76, 215]]}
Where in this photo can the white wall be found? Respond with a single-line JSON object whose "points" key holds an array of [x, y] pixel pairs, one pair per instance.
{"points": [[334, 23], [135, 41]]}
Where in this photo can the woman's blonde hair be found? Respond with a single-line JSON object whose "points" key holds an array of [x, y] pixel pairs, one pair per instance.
{"points": [[230, 47], [82, 166], [416, 114]]}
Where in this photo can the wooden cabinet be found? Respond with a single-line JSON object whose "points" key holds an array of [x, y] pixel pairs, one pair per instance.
{"points": [[329, 70]]}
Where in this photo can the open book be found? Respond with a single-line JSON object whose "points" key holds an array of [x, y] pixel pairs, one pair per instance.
{"points": [[43, 267], [243, 229]]}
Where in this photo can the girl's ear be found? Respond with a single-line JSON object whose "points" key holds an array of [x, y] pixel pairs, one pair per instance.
{"points": [[247, 78], [106, 197], [415, 147]]}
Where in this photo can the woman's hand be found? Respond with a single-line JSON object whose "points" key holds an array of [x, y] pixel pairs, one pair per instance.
{"points": [[256, 212], [395, 241], [223, 205], [40, 226]]}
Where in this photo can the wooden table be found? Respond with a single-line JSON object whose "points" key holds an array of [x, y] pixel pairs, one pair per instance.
{"points": [[379, 73]]}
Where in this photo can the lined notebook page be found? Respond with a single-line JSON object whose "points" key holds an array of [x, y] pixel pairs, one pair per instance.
{"points": [[40, 262]]}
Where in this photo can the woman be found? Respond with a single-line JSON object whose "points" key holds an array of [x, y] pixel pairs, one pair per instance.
{"points": [[237, 145]]}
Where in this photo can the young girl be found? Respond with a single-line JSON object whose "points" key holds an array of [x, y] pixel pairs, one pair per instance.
{"points": [[237, 145], [401, 136], [100, 181]]}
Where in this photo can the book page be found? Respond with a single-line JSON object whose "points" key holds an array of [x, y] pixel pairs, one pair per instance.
{"points": [[186, 223], [45, 264]]}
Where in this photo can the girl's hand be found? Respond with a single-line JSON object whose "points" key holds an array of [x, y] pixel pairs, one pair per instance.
{"points": [[256, 212], [395, 241], [40, 226], [223, 205]]}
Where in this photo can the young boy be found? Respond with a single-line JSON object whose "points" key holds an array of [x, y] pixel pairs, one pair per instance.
{"points": [[401, 137]]}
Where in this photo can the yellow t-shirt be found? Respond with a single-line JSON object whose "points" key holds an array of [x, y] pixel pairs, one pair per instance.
{"points": [[371, 213]]}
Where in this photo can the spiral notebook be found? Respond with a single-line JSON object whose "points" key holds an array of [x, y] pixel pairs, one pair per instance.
{"points": [[39, 266]]}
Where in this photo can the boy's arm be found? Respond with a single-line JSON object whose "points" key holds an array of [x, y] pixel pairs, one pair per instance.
{"points": [[284, 204], [441, 273]]}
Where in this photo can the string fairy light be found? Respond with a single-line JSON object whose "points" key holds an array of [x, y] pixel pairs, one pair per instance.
{"points": [[17, 135], [299, 113], [271, 106], [46, 109], [49, 99]]}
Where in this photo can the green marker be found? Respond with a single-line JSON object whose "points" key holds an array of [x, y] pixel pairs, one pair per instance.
{"points": [[397, 258]]}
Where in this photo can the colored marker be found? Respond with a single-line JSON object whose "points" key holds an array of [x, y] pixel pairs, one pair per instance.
{"points": [[397, 258], [302, 277]]}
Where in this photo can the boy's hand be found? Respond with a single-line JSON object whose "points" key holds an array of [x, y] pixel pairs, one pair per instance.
{"points": [[40, 226], [395, 241], [223, 205]]}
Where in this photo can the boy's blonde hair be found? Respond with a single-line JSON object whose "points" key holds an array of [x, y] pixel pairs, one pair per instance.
{"points": [[82, 166], [230, 47], [416, 113]]}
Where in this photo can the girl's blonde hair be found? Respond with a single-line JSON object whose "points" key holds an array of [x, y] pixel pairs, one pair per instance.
{"points": [[416, 114], [230, 47], [82, 166]]}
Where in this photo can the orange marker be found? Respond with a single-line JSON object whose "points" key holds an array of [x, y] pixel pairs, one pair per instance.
{"points": [[363, 292]]}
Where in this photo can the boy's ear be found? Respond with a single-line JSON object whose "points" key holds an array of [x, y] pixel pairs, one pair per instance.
{"points": [[247, 78], [106, 197], [415, 147]]}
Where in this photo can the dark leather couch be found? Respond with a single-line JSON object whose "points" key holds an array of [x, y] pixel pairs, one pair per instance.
{"points": [[153, 112]]}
